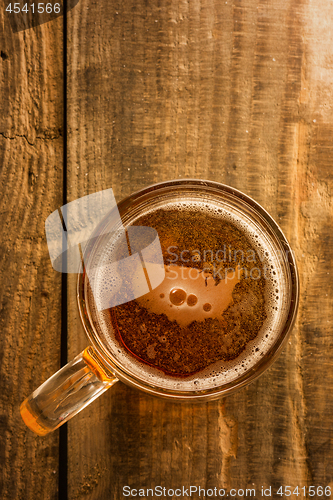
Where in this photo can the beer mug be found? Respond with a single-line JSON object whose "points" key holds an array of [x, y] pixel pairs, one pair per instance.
{"points": [[159, 313]]}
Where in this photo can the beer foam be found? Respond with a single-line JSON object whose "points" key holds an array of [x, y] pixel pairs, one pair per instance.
{"points": [[221, 372]]}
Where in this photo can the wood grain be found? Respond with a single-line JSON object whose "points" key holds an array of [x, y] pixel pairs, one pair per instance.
{"points": [[31, 188], [236, 91], [227, 91]]}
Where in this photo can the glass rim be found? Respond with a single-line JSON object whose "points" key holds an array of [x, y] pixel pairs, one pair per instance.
{"points": [[272, 353]]}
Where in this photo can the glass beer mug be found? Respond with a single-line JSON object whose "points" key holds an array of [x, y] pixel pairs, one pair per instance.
{"points": [[121, 254]]}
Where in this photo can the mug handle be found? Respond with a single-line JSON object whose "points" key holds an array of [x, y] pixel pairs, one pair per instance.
{"points": [[66, 393]]}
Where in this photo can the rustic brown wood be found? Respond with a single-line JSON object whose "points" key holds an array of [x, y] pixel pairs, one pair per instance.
{"points": [[238, 92], [31, 108]]}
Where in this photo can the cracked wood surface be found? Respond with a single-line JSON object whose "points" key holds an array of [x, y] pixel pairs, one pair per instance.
{"points": [[31, 161], [239, 92]]}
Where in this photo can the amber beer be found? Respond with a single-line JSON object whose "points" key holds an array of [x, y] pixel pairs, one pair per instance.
{"points": [[217, 311]]}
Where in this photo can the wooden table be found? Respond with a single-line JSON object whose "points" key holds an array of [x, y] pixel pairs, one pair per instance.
{"points": [[237, 91]]}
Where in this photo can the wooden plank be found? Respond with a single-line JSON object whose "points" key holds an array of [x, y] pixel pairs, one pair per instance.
{"points": [[226, 91], [315, 230], [289, 433], [31, 107]]}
